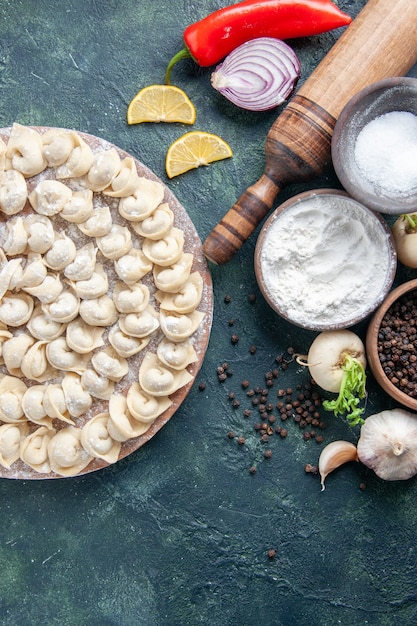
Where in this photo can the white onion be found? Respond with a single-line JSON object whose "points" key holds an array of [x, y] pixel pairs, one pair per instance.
{"points": [[258, 75]]}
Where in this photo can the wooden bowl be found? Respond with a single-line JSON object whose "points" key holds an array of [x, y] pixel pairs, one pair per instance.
{"points": [[372, 346], [379, 98]]}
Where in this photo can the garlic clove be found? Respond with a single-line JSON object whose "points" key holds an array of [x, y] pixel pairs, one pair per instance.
{"points": [[334, 455], [388, 444]]}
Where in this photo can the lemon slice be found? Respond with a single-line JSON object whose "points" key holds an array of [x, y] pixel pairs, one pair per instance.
{"points": [[194, 149], [161, 103]]}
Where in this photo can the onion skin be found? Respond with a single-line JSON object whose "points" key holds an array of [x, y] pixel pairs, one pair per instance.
{"points": [[258, 75]]}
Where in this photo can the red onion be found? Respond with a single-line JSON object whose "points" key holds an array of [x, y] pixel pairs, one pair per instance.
{"points": [[258, 75]]}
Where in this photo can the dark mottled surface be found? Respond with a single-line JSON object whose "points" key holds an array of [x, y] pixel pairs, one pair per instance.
{"points": [[177, 534]]}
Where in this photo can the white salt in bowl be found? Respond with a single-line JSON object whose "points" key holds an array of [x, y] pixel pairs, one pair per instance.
{"points": [[374, 146], [324, 261]]}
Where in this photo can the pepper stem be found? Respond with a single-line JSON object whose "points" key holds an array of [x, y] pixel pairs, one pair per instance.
{"points": [[182, 54]]}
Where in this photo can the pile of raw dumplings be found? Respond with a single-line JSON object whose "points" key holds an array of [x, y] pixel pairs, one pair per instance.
{"points": [[93, 272]]}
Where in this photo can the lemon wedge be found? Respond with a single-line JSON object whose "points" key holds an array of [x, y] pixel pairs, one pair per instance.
{"points": [[161, 103], [194, 149]]}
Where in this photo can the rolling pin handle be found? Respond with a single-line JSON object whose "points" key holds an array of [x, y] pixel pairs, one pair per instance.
{"points": [[240, 221]]}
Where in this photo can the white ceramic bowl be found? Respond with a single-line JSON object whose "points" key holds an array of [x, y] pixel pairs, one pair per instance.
{"points": [[324, 261]]}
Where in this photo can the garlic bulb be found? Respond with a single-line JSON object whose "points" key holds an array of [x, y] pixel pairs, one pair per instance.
{"points": [[388, 444], [333, 456]]}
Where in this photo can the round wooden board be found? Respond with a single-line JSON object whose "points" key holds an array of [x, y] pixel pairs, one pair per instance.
{"points": [[200, 339]]}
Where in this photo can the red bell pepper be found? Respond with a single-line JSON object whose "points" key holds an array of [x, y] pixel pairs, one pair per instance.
{"points": [[215, 36]]}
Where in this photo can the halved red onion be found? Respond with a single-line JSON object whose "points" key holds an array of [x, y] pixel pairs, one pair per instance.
{"points": [[258, 75]]}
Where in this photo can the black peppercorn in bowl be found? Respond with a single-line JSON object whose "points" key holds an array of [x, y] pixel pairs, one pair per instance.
{"points": [[374, 146], [391, 344]]}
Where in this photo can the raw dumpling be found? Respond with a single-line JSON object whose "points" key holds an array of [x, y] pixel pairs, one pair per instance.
{"points": [[125, 345], [172, 278], [13, 192], [105, 166], [64, 308], [77, 399], [122, 425], [61, 253], [67, 456], [176, 355], [54, 403], [158, 380], [32, 405], [80, 207], [24, 151], [186, 299], [16, 237], [10, 275], [3, 148], [126, 180], [12, 390], [98, 224], [61, 356], [16, 308], [143, 406], [95, 286], [133, 266], [5, 335], [179, 326], [140, 324], [35, 365], [41, 233], [42, 327], [116, 243], [96, 440], [57, 146], [49, 289], [142, 200], [98, 311], [165, 251], [79, 160], [131, 298], [84, 263], [49, 197], [13, 351], [109, 364], [34, 449], [157, 225], [11, 437], [82, 337], [34, 272], [99, 386]]}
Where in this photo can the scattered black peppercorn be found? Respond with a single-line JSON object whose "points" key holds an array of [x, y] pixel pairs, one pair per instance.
{"points": [[234, 339]]}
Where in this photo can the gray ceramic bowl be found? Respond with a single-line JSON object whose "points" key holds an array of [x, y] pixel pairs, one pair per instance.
{"points": [[324, 261], [392, 196]]}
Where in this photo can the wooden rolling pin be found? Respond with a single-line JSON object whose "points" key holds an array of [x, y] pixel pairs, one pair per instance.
{"points": [[381, 42]]}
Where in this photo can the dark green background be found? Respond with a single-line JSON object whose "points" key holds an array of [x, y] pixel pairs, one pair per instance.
{"points": [[177, 534]]}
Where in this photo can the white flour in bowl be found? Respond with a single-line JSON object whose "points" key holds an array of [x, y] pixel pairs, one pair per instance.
{"points": [[326, 261]]}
